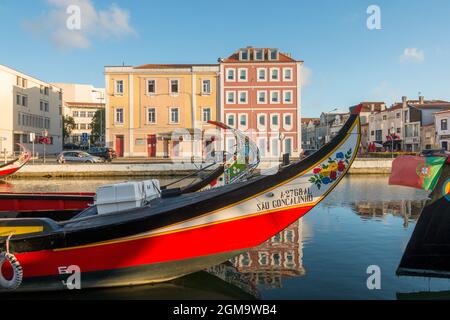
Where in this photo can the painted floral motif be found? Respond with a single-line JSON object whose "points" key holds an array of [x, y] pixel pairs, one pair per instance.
{"points": [[328, 172]]}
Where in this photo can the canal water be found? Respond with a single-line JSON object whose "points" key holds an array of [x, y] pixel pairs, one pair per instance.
{"points": [[325, 255]]}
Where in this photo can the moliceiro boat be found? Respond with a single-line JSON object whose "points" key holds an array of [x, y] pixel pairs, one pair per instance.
{"points": [[13, 166], [168, 235]]}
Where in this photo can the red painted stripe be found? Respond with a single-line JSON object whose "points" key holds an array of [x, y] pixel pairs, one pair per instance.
{"points": [[222, 237]]}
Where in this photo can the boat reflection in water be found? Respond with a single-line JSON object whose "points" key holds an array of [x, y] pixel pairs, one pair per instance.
{"points": [[222, 282], [279, 257], [409, 210]]}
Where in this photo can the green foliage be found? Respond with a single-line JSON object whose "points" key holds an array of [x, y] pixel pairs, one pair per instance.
{"points": [[98, 126], [68, 126]]}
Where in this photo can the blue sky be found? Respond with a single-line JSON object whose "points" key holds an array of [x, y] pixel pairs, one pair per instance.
{"points": [[347, 63]]}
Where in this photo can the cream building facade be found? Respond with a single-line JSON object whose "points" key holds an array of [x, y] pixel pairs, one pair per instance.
{"points": [[29, 106], [159, 110]]}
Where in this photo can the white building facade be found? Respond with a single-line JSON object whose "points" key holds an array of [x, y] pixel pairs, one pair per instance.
{"points": [[29, 106], [442, 129], [81, 101]]}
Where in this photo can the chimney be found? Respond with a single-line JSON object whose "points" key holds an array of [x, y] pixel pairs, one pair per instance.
{"points": [[372, 108], [404, 100], [421, 99]]}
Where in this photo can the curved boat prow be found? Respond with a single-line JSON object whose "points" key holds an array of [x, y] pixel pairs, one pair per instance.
{"points": [[13, 166]]}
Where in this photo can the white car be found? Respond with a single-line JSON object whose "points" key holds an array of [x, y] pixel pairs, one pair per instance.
{"points": [[78, 156]]}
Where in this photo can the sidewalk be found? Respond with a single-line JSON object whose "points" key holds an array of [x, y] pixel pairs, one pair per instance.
{"points": [[120, 169]]}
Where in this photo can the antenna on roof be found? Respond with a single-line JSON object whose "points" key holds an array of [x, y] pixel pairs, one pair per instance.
{"points": [[123, 63]]}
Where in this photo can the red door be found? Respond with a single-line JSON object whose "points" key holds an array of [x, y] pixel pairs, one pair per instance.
{"points": [[119, 146], [151, 145]]}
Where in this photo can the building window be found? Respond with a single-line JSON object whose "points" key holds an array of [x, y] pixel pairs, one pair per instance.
{"points": [[82, 114], [384, 117], [274, 74], [230, 120], [287, 120], [90, 114], [288, 145], [399, 130], [287, 74], [273, 54], [242, 97], [262, 146], [243, 120], [151, 115], [230, 97], [274, 96], [230, 74], [287, 96], [242, 74], [206, 86], [206, 114], [275, 147], [119, 115], [444, 124], [244, 55], [151, 86], [174, 86], [259, 54], [174, 115], [261, 74], [119, 87], [275, 120], [262, 96], [262, 120], [397, 115]]}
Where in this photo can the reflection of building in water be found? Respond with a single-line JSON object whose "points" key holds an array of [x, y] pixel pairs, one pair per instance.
{"points": [[281, 256], [228, 273], [409, 210]]}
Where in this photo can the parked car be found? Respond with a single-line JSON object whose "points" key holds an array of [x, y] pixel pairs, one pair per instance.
{"points": [[430, 152], [103, 152], [77, 156]]}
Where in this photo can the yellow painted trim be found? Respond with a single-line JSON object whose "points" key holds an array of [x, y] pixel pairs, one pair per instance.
{"points": [[16, 230], [234, 204]]}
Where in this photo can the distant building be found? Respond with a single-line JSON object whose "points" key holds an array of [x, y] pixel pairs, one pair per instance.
{"points": [[368, 108], [309, 137], [29, 106], [81, 101], [159, 110], [261, 93], [403, 121], [442, 119]]}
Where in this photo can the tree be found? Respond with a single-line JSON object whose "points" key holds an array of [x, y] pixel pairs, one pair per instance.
{"points": [[98, 126], [68, 126]]}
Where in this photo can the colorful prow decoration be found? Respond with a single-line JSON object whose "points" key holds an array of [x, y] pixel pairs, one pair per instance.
{"points": [[416, 172]]}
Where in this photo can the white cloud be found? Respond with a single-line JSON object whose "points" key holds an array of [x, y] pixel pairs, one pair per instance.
{"points": [[412, 55], [110, 23], [306, 76]]}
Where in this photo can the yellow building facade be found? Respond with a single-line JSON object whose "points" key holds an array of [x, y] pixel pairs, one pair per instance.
{"points": [[160, 110]]}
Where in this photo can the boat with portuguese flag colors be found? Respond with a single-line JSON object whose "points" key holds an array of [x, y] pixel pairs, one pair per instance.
{"points": [[428, 250], [136, 233]]}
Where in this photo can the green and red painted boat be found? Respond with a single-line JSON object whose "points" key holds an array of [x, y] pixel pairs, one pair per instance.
{"points": [[172, 234]]}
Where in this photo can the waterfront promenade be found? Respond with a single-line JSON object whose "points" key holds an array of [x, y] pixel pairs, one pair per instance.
{"points": [[131, 168]]}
